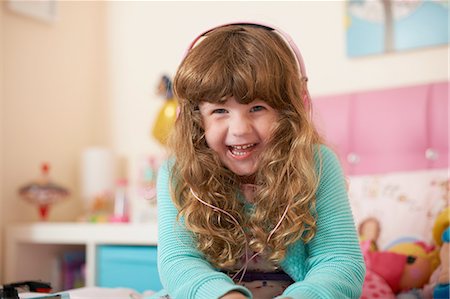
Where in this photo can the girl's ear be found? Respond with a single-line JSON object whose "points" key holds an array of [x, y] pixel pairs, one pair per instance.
{"points": [[202, 126], [196, 111]]}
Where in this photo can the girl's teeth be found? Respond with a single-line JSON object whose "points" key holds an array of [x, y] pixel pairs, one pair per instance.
{"points": [[241, 147], [238, 153], [240, 150]]}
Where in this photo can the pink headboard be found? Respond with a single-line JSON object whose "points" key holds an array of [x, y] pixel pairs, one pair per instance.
{"points": [[397, 129]]}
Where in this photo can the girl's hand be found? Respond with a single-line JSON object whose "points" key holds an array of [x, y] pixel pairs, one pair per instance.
{"points": [[233, 295], [239, 295]]}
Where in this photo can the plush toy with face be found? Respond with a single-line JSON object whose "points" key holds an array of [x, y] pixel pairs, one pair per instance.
{"points": [[421, 260], [369, 230]]}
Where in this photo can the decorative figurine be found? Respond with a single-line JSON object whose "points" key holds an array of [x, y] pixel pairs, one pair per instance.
{"points": [[43, 192], [168, 112]]}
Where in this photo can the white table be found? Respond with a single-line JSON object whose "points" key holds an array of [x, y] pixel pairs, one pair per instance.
{"points": [[32, 249]]}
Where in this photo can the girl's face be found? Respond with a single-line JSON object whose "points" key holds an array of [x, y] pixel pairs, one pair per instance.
{"points": [[238, 133]]}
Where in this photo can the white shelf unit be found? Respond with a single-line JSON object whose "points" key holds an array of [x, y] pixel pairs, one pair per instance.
{"points": [[32, 249]]}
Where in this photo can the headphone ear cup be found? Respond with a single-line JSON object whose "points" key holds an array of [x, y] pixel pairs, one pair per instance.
{"points": [[306, 98]]}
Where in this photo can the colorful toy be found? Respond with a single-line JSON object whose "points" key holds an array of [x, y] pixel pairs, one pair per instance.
{"points": [[442, 290], [421, 261], [168, 112], [404, 267], [438, 285], [43, 192], [369, 230]]}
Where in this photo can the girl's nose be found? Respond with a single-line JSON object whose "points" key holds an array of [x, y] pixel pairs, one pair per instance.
{"points": [[240, 125]]}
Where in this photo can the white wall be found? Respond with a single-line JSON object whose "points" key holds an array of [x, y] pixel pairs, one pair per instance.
{"points": [[149, 38], [53, 102]]}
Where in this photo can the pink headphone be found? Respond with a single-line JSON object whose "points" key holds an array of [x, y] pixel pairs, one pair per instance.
{"points": [[288, 40]]}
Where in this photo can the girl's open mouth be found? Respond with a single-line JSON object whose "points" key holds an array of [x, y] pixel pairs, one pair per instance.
{"points": [[241, 150]]}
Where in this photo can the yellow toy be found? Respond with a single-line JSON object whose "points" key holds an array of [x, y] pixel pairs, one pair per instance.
{"points": [[421, 261], [168, 113], [438, 285]]}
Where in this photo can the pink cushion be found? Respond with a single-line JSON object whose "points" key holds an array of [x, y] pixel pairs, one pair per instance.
{"points": [[396, 129], [438, 124], [389, 130], [332, 119]]}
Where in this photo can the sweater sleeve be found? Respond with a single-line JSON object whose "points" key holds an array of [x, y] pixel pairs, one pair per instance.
{"points": [[183, 271], [334, 265]]}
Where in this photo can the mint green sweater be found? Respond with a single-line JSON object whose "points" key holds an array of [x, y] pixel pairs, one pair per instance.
{"points": [[329, 266]]}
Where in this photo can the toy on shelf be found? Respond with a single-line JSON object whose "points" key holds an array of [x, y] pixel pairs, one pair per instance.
{"points": [[43, 192], [168, 112], [121, 209], [99, 167]]}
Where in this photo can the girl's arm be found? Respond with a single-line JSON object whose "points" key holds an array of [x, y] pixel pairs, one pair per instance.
{"points": [[183, 271], [334, 265]]}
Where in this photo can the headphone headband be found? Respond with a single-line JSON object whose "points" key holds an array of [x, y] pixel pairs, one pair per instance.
{"points": [[286, 38]]}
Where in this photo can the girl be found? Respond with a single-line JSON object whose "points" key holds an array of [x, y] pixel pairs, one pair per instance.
{"points": [[252, 203]]}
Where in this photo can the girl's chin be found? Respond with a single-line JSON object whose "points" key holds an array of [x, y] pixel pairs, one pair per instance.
{"points": [[244, 173], [242, 168]]}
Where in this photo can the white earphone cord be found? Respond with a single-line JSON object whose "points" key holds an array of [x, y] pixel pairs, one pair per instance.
{"points": [[247, 260]]}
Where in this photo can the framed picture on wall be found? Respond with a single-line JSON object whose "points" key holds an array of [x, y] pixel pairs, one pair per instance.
{"points": [[43, 10], [386, 26]]}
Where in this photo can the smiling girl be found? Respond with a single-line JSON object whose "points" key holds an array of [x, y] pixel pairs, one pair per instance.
{"points": [[252, 204]]}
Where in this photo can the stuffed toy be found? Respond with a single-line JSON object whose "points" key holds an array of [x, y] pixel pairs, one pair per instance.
{"points": [[402, 268], [379, 277], [438, 285], [369, 230], [168, 112], [421, 261], [442, 290]]}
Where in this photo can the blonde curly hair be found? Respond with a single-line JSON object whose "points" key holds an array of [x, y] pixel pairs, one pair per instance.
{"points": [[247, 62]]}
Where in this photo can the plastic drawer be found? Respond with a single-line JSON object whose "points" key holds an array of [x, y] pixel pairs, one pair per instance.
{"points": [[128, 266]]}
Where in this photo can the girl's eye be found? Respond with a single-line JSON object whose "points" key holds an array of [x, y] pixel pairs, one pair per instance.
{"points": [[219, 111], [257, 108]]}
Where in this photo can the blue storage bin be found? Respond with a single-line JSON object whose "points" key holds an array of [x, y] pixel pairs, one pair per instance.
{"points": [[128, 266]]}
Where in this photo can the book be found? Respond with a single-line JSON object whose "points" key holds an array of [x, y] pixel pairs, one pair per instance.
{"points": [[90, 293], [33, 295]]}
